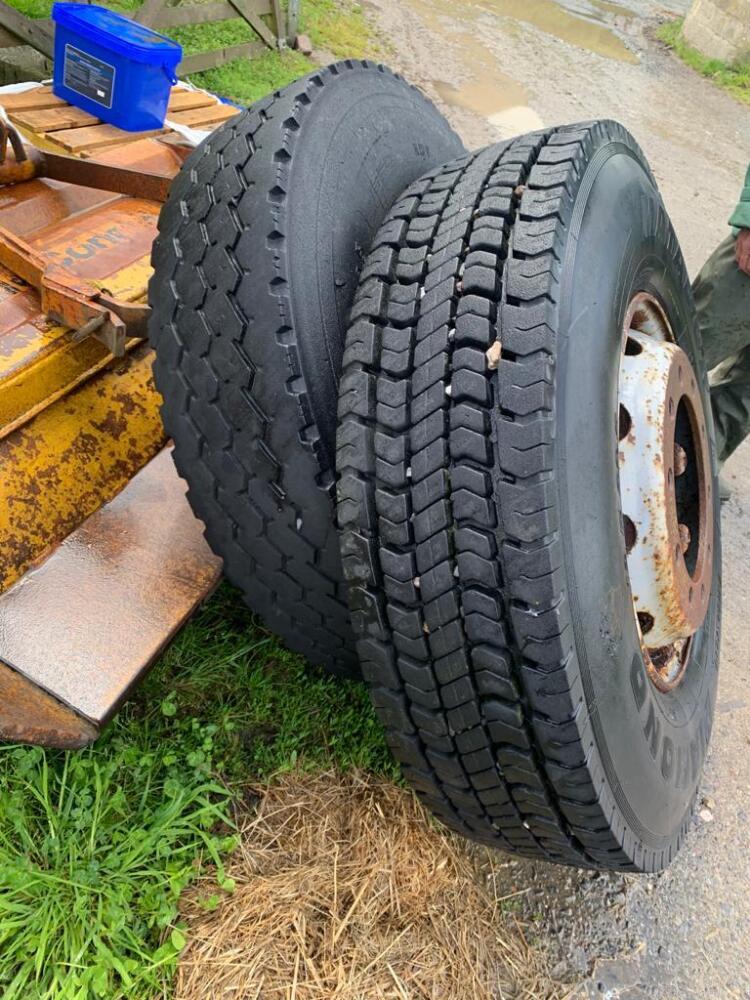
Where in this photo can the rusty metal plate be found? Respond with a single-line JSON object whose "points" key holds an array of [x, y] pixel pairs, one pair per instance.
{"points": [[101, 241], [30, 715], [75, 455], [25, 208], [87, 622]]}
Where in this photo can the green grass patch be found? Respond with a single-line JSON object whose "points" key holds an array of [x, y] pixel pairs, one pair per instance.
{"points": [[732, 77], [96, 846], [335, 26], [247, 80], [339, 27], [271, 710]]}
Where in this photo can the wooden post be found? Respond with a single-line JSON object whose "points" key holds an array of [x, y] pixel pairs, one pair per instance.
{"points": [[292, 24], [244, 9], [148, 13], [28, 31], [278, 21]]}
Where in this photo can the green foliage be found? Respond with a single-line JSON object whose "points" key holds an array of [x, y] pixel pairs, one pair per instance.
{"points": [[339, 27], [732, 77], [272, 711], [247, 80], [96, 846], [335, 26]]}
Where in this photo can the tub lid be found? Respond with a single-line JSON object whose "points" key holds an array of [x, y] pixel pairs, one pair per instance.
{"points": [[116, 32]]}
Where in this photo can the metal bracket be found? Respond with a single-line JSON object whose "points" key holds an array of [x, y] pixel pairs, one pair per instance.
{"points": [[65, 298], [73, 302], [28, 162]]}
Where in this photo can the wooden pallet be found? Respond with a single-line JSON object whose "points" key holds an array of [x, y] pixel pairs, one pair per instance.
{"points": [[54, 123]]}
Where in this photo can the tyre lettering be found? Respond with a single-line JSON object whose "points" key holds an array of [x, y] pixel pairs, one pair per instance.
{"points": [[652, 730], [638, 683], [679, 763], [667, 759]]}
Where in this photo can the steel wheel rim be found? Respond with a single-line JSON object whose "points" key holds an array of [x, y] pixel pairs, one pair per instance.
{"points": [[665, 488]]}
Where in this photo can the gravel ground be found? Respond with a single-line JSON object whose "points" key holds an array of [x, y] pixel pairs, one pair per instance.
{"points": [[499, 67]]}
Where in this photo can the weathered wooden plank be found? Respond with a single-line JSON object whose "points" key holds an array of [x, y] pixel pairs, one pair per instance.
{"points": [[207, 60], [162, 15], [80, 140], [52, 119], [36, 33], [279, 25], [245, 9], [184, 100], [204, 13], [149, 11], [198, 117], [36, 99], [8, 40]]}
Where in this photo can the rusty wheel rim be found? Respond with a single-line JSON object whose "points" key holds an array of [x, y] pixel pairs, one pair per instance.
{"points": [[665, 487]]}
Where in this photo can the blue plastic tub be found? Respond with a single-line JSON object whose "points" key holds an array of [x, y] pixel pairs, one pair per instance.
{"points": [[113, 67]]}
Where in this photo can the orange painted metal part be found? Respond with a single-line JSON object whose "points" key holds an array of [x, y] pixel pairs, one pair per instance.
{"points": [[65, 297], [30, 715], [76, 454], [101, 559], [89, 620], [28, 161]]}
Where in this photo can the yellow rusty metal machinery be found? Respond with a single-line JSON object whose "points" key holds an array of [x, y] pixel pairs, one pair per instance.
{"points": [[101, 559]]}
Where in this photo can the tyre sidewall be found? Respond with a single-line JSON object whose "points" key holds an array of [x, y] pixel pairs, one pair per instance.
{"points": [[651, 745], [362, 149]]}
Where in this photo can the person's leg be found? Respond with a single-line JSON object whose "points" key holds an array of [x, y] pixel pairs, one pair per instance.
{"points": [[722, 298], [730, 402]]}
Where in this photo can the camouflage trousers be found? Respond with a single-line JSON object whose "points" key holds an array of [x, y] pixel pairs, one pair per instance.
{"points": [[722, 296]]}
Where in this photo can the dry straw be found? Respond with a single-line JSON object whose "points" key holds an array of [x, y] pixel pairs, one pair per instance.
{"points": [[346, 891]]}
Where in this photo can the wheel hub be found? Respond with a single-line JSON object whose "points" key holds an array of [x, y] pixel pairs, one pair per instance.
{"points": [[665, 485]]}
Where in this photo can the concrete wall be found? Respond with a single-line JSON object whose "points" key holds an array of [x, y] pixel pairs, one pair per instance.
{"points": [[720, 29], [23, 63]]}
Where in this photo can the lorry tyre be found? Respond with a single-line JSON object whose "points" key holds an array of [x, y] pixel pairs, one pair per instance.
{"points": [[527, 501], [256, 263]]}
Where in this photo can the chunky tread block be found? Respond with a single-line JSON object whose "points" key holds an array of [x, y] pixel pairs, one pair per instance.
{"points": [[507, 752], [249, 307]]}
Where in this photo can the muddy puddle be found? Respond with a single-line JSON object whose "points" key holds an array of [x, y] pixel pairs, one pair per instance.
{"points": [[584, 29], [490, 93], [487, 89]]}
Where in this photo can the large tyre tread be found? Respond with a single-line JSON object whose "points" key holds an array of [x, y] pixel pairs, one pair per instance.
{"points": [[239, 481], [450, 539]]}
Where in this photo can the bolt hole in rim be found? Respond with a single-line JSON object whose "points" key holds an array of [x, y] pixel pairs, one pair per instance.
{"points": [[665, 487]]}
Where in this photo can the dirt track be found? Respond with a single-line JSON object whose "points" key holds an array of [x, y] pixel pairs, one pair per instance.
{"points": [[499, 67]]}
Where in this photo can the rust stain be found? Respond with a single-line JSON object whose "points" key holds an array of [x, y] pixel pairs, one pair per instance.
{"points": [[102, 241], [60, 467], [30, 715], [138, 565]]}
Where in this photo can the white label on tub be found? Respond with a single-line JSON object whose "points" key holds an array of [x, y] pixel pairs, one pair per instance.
{"points": [[88, 76]]}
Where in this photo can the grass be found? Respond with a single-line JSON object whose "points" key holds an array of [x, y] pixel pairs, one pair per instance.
{"points": [[347, 890], [335, 26], [97, 846], [735, 77]]}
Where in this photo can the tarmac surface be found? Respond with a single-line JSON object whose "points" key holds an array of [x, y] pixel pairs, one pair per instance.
{"points": [[498, 68]]}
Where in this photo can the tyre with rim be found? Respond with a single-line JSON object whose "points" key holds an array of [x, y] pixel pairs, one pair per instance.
{"points": [[527, 501]]}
